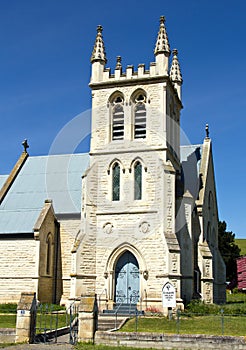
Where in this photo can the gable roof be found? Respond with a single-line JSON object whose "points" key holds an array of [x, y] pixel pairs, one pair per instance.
{"points": [[3, 178], [55, 177]]}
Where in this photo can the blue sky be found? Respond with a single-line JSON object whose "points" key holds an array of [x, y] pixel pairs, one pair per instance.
{"points": [[45, 70]]}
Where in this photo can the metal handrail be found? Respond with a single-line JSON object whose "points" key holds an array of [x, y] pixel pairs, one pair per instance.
{"points": [[116, 312], [117, 309], [99, 298]]}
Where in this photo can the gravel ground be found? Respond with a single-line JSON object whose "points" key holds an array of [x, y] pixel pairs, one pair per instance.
{"points": [[62, 344]]}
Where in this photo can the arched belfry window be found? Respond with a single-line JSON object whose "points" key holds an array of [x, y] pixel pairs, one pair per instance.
{"points": [[118, 118], [140, 116], [138, 180], [116, 182]]}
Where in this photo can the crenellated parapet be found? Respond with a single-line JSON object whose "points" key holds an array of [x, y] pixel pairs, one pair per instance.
{"points": [[159, 70]]}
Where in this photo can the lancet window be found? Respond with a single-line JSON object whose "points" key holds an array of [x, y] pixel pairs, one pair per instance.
{"points": [[140, 116], [137, 181], [48, 252], [118, 118], [116, 182]]}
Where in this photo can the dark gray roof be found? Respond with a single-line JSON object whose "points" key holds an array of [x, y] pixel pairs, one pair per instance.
{"points": [[55, 177]]}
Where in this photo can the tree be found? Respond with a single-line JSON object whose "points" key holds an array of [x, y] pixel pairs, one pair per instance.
{"points": [[229, 251]]}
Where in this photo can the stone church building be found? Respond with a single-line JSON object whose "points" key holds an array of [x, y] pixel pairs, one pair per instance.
{"points": [[134, 213]]}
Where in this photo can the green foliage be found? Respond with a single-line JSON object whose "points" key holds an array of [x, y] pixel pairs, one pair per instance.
{"points": [[4, 345], [52, 307], [236, 297], [7, 321], [200, 308], [235, 306], [242, 245], [8, 308], [229, 251]]}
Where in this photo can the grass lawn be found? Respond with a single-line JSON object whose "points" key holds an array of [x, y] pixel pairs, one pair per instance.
{"points": [[7, 321], [49, 322], [242, 245], [210, 325]]}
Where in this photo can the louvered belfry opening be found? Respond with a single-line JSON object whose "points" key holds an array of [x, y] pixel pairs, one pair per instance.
{"points": [[140, 117]]}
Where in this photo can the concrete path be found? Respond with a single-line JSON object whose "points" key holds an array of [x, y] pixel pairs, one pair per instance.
{"points": [[62, 344]]}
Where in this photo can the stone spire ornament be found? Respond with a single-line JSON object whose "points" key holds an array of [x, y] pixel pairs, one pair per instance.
{"points": [[118, 62], [207, 131], [175, 72], [162, 43], [99, 54]]}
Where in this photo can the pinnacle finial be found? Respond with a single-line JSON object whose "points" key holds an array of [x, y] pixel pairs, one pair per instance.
{"points": [[99, 53], [162, 43], [99, 29], [25, 145], [175, 72], [207, 131], [118, 62]]}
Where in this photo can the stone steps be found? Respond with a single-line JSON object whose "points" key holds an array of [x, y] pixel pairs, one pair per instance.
{"points": [[124, 310], [107, 322]]}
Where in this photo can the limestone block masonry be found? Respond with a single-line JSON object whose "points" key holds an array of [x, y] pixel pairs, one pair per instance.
{"points": [[26, 318]]}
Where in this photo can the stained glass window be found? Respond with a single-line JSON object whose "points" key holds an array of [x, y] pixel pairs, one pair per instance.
{"points": [[116, 182], [138, 181]]}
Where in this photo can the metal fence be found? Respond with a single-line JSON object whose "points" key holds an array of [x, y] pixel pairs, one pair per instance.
{"points": [[193, 323], [52, 323]]}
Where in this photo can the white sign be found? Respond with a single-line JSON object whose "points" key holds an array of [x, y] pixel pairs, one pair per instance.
{"points": [[168, 295]]}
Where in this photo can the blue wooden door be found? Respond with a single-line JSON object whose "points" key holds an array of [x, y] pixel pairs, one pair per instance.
{"points": [[127, 279]]}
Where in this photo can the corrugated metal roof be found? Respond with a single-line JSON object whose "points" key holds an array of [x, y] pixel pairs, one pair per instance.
{"points": [[56, 177], [3, 178], [190, 157]]}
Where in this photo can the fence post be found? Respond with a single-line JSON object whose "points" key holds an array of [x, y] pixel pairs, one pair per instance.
{"points": [[88, 317], [26, 318], [178, 320], [222, 321], [136, 323]]}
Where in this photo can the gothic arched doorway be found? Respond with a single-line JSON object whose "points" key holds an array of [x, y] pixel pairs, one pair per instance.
{"points": [[127, 279]]}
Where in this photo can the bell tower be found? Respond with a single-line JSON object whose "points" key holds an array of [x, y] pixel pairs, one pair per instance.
{"points": [[128, 209], [136, 109]]}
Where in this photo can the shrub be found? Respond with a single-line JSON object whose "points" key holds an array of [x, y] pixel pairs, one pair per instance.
{"points": [[200, 307], [8, 308]]}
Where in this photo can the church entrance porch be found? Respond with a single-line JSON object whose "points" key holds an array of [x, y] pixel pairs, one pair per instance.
{"points": [[127, 279]]}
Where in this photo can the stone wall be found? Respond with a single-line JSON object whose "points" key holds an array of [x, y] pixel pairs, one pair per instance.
{"points": [[164, 341], [69, 230], [17, 268]]}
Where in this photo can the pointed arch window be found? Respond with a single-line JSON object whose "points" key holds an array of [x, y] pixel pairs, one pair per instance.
{"points": [[116, 182], [137, 181], [118, 118], [140, 116], [48, 254]]}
